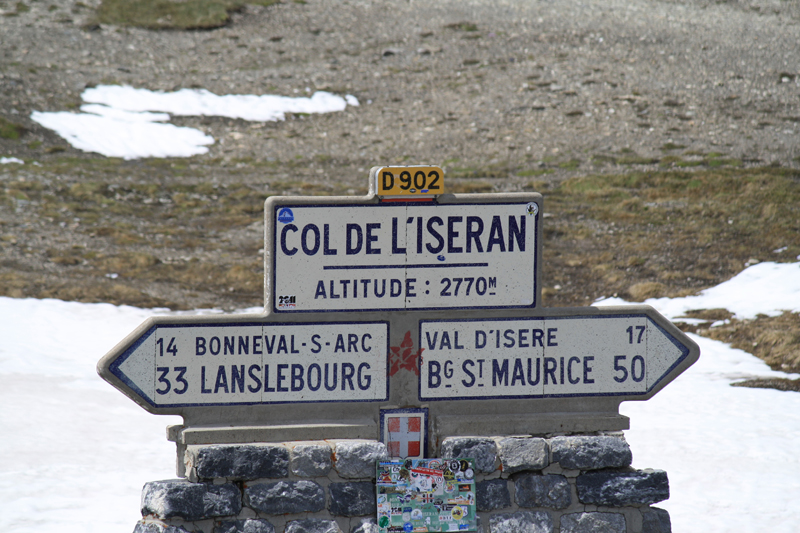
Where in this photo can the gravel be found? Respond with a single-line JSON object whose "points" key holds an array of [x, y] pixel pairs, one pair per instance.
{"points": [[479, 82], [505, 95]]}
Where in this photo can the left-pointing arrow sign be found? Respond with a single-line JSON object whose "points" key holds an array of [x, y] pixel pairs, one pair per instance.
{"points": [[168, 364]]}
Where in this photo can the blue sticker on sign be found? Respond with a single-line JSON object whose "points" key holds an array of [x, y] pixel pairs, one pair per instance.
{"points": [[285, 215]]}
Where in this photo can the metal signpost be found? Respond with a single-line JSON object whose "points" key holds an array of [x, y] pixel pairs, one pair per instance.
{"points": [[408, 302]]}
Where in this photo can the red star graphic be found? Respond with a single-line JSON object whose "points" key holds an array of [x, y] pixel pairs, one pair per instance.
{"points": [[403, 356]]}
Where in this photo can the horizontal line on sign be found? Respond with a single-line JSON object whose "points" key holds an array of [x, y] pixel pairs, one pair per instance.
{"points": [[432, 265], [407, 199]]}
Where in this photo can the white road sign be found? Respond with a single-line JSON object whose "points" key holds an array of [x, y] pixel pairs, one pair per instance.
{"points": [[392, 256], [600, 355], [199, 364]]}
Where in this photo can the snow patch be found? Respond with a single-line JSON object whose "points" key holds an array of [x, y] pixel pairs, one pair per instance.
{"points": [[116, 133], [765, 288], [78, 452], [122, 121]]}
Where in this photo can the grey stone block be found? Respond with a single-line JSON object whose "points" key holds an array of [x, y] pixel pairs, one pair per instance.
{"points": [[617, 489], [248, 525], [367, 525], [178, 498], [352, 499], [356, 459], [519, 454], [483, 450], [656, 520], [313, 525], [480, 528], [156, 527], [590, 452], [521, 522], [534, 490], [284, 497], [593, 523], [240, 462], [310, 460], [492, 494]]}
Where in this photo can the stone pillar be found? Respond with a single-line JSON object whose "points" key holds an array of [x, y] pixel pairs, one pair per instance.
{"points": [[558, 484]]}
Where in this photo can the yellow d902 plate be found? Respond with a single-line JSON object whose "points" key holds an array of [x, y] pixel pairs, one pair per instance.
{"points": [[409, 181]]}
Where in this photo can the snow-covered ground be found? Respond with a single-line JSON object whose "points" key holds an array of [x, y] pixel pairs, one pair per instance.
{"points": [[122, 121], [75, 452], [732, 454]]}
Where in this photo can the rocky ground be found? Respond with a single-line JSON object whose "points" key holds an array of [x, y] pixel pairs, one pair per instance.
{"points": [[477, 83], [505, 95]]}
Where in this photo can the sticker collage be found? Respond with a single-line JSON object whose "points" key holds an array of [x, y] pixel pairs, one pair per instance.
{"points": [[426, 495]]}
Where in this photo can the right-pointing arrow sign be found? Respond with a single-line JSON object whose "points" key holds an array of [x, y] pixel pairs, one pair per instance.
{"points": [[626, 354]]}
